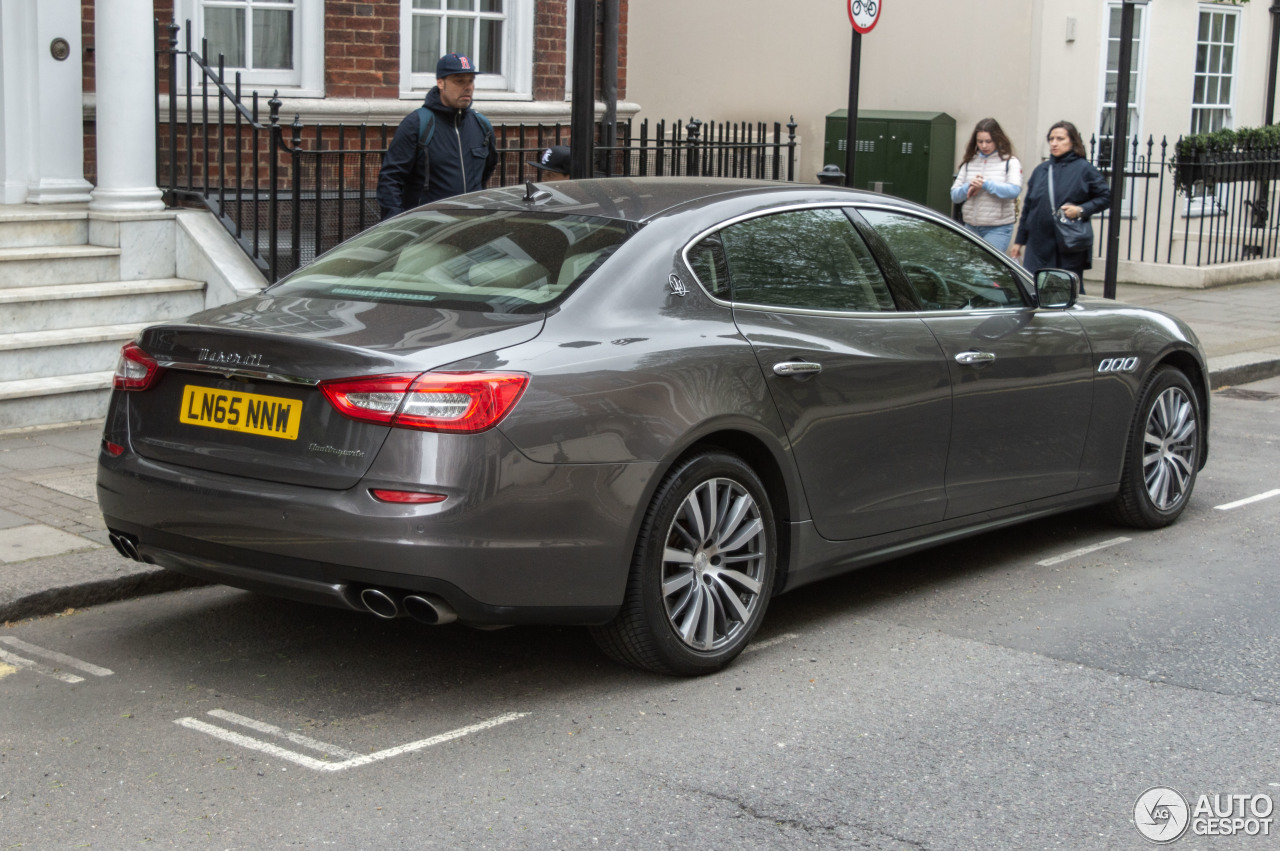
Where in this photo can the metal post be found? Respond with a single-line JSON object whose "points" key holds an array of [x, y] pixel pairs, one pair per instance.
{"points": [[851, 129], [1119, 142], [1271, 65], [583, 115], [173, 111], [609, 62], [1263, 203]]}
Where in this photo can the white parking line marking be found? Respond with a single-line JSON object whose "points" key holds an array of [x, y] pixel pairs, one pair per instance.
{"points": [[1239, 502], [38, 668], [353, 762], [1082, 551], [764, 645], [70, 661], [296, 738]]}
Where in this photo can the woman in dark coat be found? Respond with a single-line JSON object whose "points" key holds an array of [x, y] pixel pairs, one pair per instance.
{"points": [[1079, 190]]}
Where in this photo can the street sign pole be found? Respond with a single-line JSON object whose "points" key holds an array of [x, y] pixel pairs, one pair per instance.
{"points": [[863, 16], [851, 127]]}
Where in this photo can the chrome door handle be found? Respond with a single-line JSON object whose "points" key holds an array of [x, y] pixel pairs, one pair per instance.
{"points": [[793, 367], [975, 358]]}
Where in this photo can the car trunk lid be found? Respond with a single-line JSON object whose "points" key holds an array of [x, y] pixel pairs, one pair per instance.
{"points": [[239, 389]]}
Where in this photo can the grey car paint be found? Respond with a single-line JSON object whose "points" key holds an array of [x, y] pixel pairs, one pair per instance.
{"points": [[629, 375]]}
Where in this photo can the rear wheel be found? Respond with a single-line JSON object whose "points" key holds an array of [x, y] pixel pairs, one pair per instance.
{"points": [[702, 572], [1163, 453]]}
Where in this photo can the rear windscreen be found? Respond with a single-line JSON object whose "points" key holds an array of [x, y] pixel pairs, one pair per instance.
{"points": [[497, 262]]}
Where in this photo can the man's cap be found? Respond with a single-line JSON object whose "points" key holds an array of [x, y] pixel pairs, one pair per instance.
{"points": [[830, 173], [454, 63], [555, 158]]}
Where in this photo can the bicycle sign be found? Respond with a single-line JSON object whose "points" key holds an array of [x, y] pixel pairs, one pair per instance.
{"points": [[864, 14]]}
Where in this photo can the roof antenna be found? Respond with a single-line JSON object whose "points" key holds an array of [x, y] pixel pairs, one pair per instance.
{"points": [[533, 194]]}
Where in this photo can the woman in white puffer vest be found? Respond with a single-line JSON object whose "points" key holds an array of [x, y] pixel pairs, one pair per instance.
{"points": [[988, 184]]}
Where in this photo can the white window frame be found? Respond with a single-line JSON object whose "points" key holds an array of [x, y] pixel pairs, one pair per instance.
{"points": [[1232, 74], [517, 81], [305, 79], [1138, 88], [1198, 206]]}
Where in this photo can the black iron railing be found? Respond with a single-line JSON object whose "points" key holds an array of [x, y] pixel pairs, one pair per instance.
{"points": [[288, 193], [1199, 208]]}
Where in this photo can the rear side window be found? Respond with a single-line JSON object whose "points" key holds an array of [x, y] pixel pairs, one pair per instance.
{"points": [[708, 263], [497, 262], [808, 259]]}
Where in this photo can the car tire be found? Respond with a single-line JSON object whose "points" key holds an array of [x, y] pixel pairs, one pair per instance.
{"points": [[1162, 455], [702, 572]]}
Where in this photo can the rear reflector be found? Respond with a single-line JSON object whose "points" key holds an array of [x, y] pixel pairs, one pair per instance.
{"points": [[135, 370], [463, 402], [407, 497]]}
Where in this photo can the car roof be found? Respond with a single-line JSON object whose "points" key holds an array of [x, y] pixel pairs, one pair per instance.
{"points": [[643, 199]]}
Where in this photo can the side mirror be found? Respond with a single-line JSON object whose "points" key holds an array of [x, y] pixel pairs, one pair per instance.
{"points": [[1056, 289]]}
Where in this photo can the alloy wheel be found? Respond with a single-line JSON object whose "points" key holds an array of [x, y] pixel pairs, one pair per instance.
{"points": [[713, 564], [1170, 446]]}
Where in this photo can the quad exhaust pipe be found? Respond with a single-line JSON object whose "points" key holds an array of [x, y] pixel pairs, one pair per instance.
{"points": [[425, 608], [126, 545], [429, 609]]}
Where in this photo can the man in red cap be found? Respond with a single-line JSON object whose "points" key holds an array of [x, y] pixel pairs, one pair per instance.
{"points": [[441, 149]]}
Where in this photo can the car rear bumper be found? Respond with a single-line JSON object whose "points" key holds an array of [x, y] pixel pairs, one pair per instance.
{"points": [[545, 543]]}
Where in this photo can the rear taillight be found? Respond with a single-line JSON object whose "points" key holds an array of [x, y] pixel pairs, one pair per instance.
{"points": [[135, 370], [465, 402], [407, 497]]}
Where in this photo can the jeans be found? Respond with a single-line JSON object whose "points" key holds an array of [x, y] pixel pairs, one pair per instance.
{"points": [[997, 236]]}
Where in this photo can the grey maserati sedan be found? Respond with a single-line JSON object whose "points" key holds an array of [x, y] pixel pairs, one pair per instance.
{"points": [[645, 406]]}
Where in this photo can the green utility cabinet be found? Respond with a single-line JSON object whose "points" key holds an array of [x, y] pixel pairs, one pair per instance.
{"points": [[906, 154]]}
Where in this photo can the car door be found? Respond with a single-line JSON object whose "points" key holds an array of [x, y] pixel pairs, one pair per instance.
{"points": [[861, 389], [1021, 378]]}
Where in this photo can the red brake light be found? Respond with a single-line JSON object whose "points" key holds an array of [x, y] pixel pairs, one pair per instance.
{"points": [[407, 497], [135, 370], [462, 402]]}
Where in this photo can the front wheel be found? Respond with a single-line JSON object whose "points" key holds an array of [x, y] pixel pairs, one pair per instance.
{"points": [[1163, 453], [702, 572]]}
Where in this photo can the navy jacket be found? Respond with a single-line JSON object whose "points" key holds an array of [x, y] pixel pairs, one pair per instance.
{"points": [[460, 157], [1076, 182]]}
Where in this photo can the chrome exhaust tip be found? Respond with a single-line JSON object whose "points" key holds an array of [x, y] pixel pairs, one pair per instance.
{"points": [[380, 603], [429, 609], [124, 545]]}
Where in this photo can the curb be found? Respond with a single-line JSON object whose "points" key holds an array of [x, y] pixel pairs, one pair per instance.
{"points": [[1242, 369], [82, 595]]}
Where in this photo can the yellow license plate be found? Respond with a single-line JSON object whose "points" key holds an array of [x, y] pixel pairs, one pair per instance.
{"points": [[251, 413]]}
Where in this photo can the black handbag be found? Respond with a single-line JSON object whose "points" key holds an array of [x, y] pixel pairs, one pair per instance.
{"points": [[1073, 235]]}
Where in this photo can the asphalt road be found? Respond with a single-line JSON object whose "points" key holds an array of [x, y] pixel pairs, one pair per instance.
{"points": [[1006, 692]]}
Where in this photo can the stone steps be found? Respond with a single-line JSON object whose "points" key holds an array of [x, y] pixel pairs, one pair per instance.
{"points": [[51, 228], [55, 306], [38, 265], [63, 351], [65, 313]]}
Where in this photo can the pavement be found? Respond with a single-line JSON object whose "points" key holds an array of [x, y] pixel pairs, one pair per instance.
{"points": [[55, 556]]}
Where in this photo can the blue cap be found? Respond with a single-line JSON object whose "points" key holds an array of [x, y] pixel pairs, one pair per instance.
{"points": [[454, 63]]}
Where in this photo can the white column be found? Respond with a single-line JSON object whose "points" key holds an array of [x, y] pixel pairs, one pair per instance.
{"points": [[124, 77], [41, 103]]}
